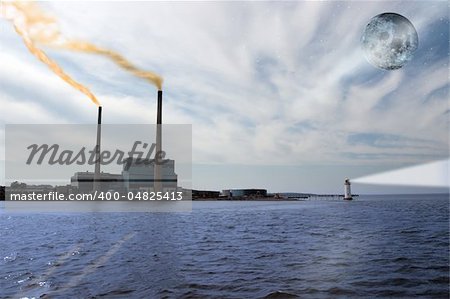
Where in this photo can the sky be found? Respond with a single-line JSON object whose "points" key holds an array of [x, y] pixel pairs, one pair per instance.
{"points": [[279, 94]]}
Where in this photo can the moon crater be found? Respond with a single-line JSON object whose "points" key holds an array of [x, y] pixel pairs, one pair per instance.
{"points": [[389, 41]]}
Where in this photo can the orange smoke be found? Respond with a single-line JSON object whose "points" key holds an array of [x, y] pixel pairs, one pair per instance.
{"points": [[20, 23], [45, 30], [116, 57]]}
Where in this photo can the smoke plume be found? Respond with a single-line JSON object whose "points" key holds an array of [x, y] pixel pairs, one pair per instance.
{"points": [[20, 23], [36, 27]]}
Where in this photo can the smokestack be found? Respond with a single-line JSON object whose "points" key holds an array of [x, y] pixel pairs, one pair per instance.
{"points": [[159, 116], [96, 185], [158, 173]]}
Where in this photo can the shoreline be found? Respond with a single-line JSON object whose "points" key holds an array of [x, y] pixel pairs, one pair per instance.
{"points": [[250, 199]]}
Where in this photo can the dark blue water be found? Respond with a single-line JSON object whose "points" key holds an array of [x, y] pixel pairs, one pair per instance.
{"points": [[385, 246]]}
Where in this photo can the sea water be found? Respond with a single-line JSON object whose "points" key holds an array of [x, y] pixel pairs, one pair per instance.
{"points": [[385, 246]]}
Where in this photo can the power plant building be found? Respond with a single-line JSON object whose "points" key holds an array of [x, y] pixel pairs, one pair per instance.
{"points": [[136, 175], [140, 174], [84, 181], [245, 192]]}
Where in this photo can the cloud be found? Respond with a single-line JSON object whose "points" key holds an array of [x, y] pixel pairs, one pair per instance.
{"points": [[262, 83]]}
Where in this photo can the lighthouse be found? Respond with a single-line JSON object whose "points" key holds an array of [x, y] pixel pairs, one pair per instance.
{"points": [[347, 190]]}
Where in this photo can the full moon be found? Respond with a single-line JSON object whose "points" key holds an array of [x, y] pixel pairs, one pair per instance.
{"points": [[389, 41]]}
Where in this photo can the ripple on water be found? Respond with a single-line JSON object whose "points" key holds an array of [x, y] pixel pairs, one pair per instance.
{"points": [[10, 258], [280, 295], [377, 247]]}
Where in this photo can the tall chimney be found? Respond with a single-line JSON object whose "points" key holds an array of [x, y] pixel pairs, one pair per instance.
{"points": [[159, 116], [158, 172], [96, 185]]}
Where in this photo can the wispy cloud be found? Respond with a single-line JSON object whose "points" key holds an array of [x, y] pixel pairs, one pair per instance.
{"points": [[262, 83]]}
